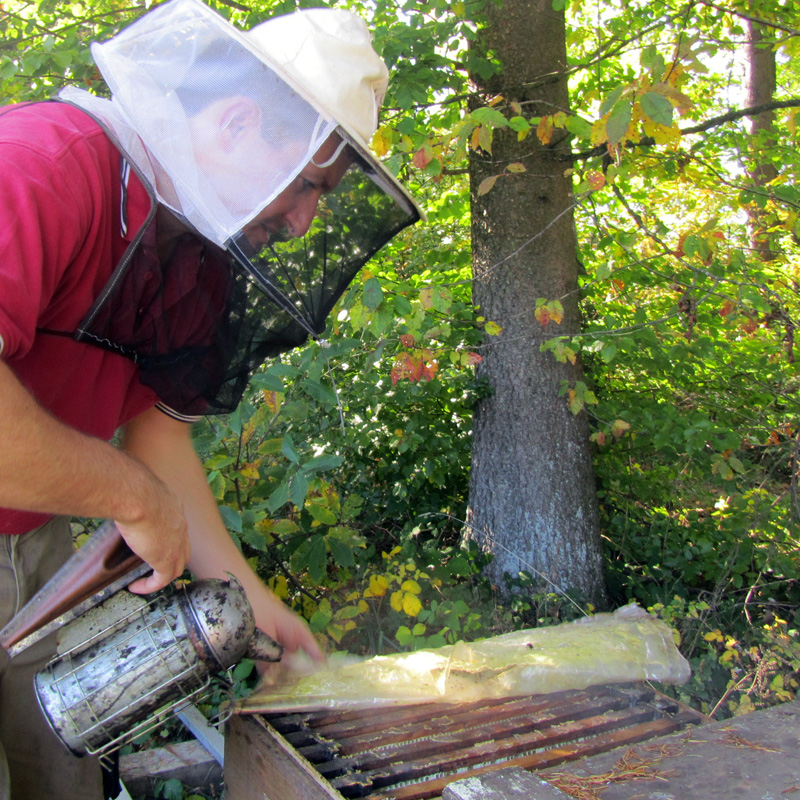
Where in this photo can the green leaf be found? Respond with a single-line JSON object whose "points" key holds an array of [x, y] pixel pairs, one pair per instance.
{"points": [[490, 117], [268, 382], [320, 512], [243, 669], [279, 497], [618, 121], [172, 789], [316, 557], [341, 551], [578, 126], [404, 636], [231, 518], [298, 489], [373, 293], [319, 620], [610, 100], [289, 450], [657, 107], [321, 463], [321, 393]]}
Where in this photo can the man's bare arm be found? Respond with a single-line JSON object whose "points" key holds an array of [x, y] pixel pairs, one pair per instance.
{"points": [[48, 467], [166, 446]]}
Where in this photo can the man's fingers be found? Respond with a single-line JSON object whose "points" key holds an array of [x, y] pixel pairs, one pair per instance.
{"points": [[150, 583]]}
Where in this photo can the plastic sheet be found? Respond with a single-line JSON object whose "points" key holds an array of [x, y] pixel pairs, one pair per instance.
{"points": [[628, 645]]}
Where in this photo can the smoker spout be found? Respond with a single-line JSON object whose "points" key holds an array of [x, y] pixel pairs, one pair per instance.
{"points": [[263, 648]]}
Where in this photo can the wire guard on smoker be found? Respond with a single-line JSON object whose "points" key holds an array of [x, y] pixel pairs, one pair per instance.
{"points": [[128, 677]]}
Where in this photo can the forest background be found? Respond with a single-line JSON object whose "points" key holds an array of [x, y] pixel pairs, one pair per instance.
{"points": [[345, 473]]}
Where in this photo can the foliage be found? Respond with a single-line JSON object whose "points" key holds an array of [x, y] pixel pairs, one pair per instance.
{"points": [[344, 473]]}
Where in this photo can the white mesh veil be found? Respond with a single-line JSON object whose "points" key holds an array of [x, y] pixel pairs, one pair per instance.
{"points": [[164, 70], [223, 124]]}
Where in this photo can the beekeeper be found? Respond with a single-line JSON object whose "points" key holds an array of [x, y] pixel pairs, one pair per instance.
{"points": [[150, 260]]}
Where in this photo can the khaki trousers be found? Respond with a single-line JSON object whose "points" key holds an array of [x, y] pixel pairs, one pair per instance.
{"points": [[37, 766]]}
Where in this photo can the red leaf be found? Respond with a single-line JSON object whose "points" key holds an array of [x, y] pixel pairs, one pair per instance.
{"points": [[408, 340], [422, 157], [542, 314]]}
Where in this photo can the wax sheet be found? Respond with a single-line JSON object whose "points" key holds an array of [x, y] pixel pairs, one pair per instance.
{"points": [[628, 645]]}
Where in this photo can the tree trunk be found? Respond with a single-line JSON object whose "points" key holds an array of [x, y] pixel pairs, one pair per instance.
{"points": [[532, 498], [760, 85]]}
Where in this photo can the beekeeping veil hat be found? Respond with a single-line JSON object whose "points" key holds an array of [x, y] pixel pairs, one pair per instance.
{"points": [[223, 124]]}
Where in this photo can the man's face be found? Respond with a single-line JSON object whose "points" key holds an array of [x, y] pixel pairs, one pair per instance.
{"points": [[240, 166], [291, 213]]}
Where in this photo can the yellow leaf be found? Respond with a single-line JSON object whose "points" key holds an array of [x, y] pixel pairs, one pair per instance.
{"points": [[396, 600], [280, 587], [485, 134], [487, 184], [545, 130], [426, 301], [378, 585], [411, 604], [492, 328], [475, 139], [411, 586], [335, 631], [380, 141], [661, 133], [272, 400], [363, 606], [599, 134], [251, 470]]}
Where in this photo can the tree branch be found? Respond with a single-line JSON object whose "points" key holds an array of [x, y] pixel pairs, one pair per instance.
{"points": [[758, 20], [649, 141]]}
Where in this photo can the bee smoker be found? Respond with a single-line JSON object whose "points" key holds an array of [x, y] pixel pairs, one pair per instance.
{"points": [[123, 664]]}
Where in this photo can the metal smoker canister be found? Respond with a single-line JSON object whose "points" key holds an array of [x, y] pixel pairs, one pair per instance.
{"points": [[105, 690]]}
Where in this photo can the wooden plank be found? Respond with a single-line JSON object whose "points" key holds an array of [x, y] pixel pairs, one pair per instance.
{"points": [[752, 757], [260, 765], [188, 762], [504, 784], [204, 732]]}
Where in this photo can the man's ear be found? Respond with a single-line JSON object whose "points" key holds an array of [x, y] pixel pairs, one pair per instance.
{"points": [[238, 119]]}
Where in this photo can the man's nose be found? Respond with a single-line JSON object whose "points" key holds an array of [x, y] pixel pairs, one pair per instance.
{"points": [[301, 215]]}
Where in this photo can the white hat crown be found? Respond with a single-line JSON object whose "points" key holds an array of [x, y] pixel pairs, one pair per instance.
{"points": [[328, 53]]}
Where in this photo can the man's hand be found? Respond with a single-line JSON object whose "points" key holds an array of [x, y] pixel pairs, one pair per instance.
{"points": [[161, 539], [286, 627]]}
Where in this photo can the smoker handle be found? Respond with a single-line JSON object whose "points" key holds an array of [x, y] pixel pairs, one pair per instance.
{"points": [[104, 558]]}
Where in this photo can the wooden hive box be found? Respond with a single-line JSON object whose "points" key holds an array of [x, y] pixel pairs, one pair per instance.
{"points": [[414, 752]]}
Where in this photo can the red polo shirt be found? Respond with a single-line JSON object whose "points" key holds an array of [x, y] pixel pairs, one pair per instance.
{"points": [[61, 235]]}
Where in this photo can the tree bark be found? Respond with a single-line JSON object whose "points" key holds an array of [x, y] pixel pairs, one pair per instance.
{"points": [[532, 500], [760, 85]]}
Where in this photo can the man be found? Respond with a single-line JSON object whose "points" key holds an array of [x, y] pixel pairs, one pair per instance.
{"points": [[147, 266]]}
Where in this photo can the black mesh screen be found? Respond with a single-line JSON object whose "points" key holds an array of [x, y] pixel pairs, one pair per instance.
{"points": [[198, 320]]}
